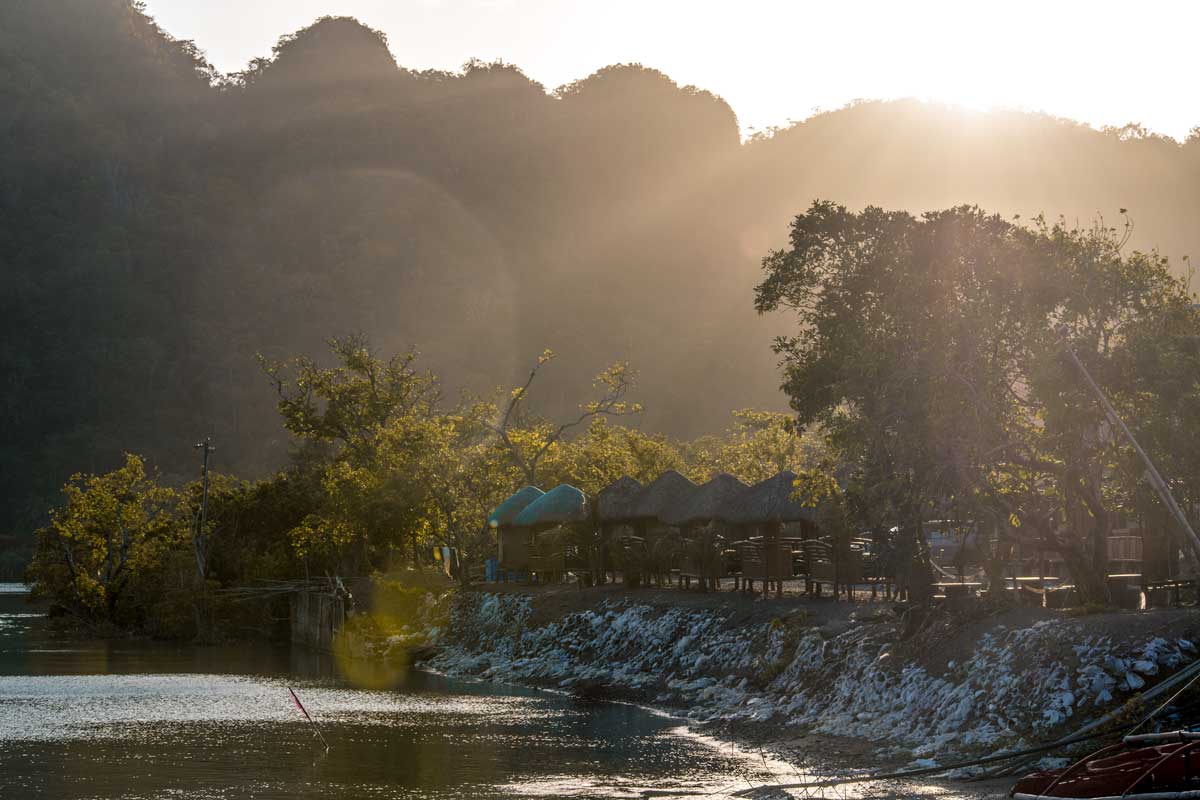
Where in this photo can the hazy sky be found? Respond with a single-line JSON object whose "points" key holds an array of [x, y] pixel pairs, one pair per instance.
{"points": [[1106, 63]]}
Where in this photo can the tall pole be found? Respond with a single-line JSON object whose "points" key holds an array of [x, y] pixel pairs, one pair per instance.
{"points": [[200, 543], [1155, 479]]}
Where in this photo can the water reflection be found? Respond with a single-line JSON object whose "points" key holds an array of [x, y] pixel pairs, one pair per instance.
{"points": [[90, 719], [130, 719]]}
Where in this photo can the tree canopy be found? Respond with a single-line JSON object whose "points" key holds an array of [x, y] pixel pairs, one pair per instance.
{"points": [[933, 350], [382, 469], [160, 224]]}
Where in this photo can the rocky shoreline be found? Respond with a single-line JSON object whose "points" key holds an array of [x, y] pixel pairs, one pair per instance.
{"points": [[964, 683]]}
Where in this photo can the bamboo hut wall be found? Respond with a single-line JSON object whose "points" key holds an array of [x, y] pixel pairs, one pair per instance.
{"points": [[514, 549]]}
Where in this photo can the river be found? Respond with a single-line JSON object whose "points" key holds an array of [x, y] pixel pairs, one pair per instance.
{"points": [[84, 718], [98, 719]]}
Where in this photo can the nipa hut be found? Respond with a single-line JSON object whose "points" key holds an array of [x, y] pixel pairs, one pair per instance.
{"points": [[664, 493], [764, 509], [513, 540], [768, 502], [553, 552], [660, 546], [564, 503], [704, 546], [706, 501], [616, 506], [617, 502]]}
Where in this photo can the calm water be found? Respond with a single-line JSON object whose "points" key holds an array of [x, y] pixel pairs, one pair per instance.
{"points": [[109, 719]]}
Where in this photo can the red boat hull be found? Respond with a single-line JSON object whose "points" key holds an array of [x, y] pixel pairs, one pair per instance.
{"points": [[1155, 772]]}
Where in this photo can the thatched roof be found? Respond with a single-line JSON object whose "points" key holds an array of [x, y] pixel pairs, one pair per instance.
{"points": [[666, 492], [506, 513], [706, 500], [563, 503], [768, 501], [616, 502]]}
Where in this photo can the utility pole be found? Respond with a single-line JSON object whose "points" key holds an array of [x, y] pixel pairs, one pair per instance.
{"points": [[199, 541], [1155, 479]]}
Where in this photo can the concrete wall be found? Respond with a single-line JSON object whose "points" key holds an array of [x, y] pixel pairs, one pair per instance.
{"points": [[316, 618], [318, 614]]}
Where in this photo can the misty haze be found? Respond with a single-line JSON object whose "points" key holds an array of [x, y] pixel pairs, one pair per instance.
{"points": [[858, 450]]}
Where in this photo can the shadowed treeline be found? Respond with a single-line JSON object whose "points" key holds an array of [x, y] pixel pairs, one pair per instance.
{"points": [[160, 224]]}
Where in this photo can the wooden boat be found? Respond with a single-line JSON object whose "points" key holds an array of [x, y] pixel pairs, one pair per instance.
{"points": [[1151, 766]]}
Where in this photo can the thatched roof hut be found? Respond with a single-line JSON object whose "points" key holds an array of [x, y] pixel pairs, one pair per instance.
{"points": [[618, 501], [706, 501], [768, 501], [665, 492], [563, 503], [506, 513]]}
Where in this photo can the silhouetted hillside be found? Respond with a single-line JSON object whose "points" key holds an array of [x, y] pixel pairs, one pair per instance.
{"points": [[160, 224]]}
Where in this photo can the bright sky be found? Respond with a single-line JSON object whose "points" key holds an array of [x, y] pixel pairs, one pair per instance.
{"points": [[1101, 62]]}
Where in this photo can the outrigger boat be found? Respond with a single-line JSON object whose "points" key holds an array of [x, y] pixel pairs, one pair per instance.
{"points": [[1148, 766]]}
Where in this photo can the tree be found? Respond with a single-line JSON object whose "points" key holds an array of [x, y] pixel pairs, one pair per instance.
{"points": [[111, 532], [463, 475], [349, 404], [480, 213], [931, 351], [393, 466], [759, 445], [379, 418], [528, 438], [605, 452], [1158, 397]]}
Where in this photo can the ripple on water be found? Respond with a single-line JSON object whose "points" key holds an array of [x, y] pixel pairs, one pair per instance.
{"points": [[169, 724], [53, 707], [17, 620]]}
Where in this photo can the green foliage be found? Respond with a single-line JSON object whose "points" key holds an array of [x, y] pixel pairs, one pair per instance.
{"points": [[605, 452], [119, 553], [814, 486], [649, 559], [932, 352], [396, 605], [14, 560], [112, 532], [382, 471], [759, 445], [353, 403], [161, 223], [394, 473], [1160, 367], [529, 439]]}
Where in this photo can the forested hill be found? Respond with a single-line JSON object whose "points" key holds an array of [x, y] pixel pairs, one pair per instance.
{"points": [[160, 224]]}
